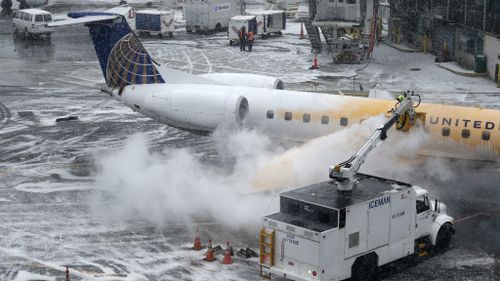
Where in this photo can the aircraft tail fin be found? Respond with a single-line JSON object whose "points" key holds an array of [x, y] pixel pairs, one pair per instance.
{"points": [[123, 59]]}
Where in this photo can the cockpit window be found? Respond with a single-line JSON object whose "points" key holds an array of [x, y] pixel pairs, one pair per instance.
{"points": [[47, 17]]}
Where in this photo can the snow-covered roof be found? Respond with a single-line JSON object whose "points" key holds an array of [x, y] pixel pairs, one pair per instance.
{"points": [[35, 11], [154, 12], [242, 17], [259, 12], [419, 190]]}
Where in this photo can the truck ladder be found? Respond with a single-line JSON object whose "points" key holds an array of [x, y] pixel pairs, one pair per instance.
{"points": [[266, 247], [313, 35]]}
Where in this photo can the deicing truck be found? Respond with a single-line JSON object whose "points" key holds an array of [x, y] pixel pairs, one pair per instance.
{"points": [[353, 224]]}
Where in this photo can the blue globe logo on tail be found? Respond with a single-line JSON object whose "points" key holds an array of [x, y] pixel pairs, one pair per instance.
{"points": [[123, 59], [129, 63]]}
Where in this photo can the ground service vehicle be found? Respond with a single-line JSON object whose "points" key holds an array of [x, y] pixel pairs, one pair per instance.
{"points": [[353, 224], [208, 16], [31, 23], [236, 23], [270, 22], [155, 22]]}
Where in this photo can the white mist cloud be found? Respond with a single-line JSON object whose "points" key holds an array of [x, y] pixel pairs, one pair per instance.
{"points": [[175, 185]]}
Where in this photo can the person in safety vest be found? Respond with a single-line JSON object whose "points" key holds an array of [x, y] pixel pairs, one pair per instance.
{"points": [[243, 39], [401, 97], [250, 40]]}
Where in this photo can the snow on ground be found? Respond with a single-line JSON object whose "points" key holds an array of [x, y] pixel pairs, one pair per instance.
{"points": [[48, 208]]}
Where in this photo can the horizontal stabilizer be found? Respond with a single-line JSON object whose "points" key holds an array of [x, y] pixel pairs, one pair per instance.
{"points": [[85, 19]]}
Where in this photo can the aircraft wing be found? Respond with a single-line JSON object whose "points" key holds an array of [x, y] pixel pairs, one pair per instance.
{"points": [[84, 19]]}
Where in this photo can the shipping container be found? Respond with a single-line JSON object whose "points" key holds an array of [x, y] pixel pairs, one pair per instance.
{"points": [[207, 16], [155, 22]]}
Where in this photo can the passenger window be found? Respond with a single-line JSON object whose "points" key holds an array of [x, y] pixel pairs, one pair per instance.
{"points": [[445, 132], [325, 119], [270, 114], [306, 118], [39, 18], [486, 136], [288, 116], [465, 133], [344, 121], [47, 17], [422, 204], [351, 1]]}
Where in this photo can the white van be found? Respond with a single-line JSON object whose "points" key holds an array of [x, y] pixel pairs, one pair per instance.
{"points": [[32, 23]]}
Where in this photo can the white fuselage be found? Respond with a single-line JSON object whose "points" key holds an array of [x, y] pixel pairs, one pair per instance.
{"points": [[208, 106], [301, 116]]}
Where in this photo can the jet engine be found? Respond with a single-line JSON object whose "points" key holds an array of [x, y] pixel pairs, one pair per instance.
{"points": [[246, 80], [187, 108]]}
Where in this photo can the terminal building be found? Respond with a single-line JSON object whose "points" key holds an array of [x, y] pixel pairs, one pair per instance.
{"points": [[465, 31]]}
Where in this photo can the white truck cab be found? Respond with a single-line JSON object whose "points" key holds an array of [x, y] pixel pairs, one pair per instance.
{"points": [[323, 233], [32, 23]]}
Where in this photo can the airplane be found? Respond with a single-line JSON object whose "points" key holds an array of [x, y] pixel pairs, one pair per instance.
{"points": [[202, 103]]}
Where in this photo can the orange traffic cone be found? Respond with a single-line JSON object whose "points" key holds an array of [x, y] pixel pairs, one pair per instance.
{"points": [[315, 62], [197, 241], [210, 252], [301, 31], [227, 259]]}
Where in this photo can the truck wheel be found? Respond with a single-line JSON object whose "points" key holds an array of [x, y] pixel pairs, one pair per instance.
{"points": [[170, 34], [218, 27], [364, 268], [160, 35], [443, 238]]}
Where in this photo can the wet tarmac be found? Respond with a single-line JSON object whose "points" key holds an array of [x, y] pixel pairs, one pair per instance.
{"points": [[47, 174]]}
